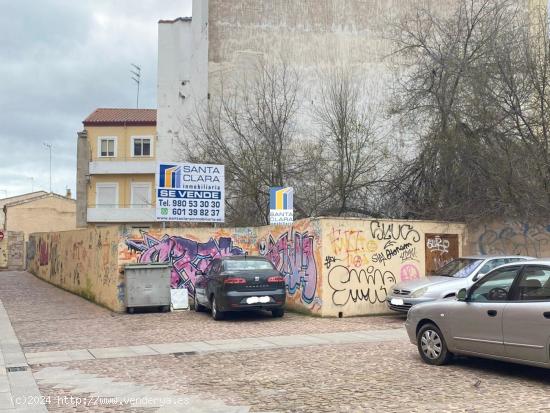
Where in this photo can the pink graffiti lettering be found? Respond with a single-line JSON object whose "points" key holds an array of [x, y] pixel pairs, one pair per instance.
{"points": [[409, 272], [185, 255]]}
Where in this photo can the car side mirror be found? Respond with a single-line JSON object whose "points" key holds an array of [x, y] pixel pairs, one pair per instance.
{"points": [[462, 294]]}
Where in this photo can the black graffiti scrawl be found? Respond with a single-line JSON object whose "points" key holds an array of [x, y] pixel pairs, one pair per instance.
{"points": [[370, 284]]}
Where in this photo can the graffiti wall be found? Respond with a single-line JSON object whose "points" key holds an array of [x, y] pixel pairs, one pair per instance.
{"points": [[84, 262], [510, 237], [332, 267], [364, 259], [294, 251]]}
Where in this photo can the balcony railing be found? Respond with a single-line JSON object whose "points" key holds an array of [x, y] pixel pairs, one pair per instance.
{"points": [[122, 167]]}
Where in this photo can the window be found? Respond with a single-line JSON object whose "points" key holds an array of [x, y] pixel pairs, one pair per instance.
{"points": [[534, 284], [247, 264], [459, 268], [492, 264], [106, 195], [495, 286], [141, 146], [106, 146], [141, 195]]}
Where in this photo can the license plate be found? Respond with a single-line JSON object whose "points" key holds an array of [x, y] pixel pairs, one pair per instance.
{"points": [[397, 301], [256, 300]]}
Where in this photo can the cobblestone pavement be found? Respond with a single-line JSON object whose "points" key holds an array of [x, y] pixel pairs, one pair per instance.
{"points": [[46, 318], [358, 377]]}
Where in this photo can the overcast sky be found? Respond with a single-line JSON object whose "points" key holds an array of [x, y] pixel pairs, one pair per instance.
{"points": [[59, 60]]}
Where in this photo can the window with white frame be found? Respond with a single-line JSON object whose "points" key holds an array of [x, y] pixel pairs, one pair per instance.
{"points": [[106, 195], [142, 146], [106, 146], [141, 195]]}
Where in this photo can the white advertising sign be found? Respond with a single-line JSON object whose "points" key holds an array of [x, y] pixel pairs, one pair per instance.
{"points": [[190, 192]]}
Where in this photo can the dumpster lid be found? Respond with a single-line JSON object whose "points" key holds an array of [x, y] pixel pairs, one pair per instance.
{"points": [[147, 265]]}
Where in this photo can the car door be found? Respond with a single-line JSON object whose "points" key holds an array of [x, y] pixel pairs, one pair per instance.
{"points": [[477, 324], [201, 282], [526, 321], [211, 277]]}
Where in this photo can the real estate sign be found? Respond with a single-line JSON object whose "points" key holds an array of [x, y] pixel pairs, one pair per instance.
{"points": [[190, 192], [281, 206]]}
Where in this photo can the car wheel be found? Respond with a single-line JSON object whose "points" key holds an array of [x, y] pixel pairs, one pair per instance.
{"points": [[278, 312], [432, 346], [198, 308], [131, 310], [216, 314]]}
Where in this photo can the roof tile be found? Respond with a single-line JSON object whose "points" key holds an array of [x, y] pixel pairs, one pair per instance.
{"points": [[114, 116]]}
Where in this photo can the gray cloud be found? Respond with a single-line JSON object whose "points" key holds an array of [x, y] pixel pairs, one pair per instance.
{"points": [[59, 60]]}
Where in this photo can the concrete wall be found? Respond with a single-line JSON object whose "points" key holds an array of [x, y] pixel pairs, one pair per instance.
{"points": [[16, 250], [363, 259], [510, 237], [82, 175], [182, 76], [45, 214], [4, 252], [84, 262], [5, 201], [332, 266], [295, 251]]}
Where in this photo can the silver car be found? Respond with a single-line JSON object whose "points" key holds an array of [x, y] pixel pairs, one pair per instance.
{"points": [[457, 274], [505, 316]]}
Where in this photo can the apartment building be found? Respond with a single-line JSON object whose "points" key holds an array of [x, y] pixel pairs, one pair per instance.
{"points": [[116, 162]]}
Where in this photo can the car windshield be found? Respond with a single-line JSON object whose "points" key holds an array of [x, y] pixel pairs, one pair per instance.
{"points": [[459, 268], [244, 265]]}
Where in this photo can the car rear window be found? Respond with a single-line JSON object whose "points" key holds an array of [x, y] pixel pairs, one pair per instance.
{"points": [[243, 265]]}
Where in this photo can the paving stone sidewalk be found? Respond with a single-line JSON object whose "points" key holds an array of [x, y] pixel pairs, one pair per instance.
{"points": [[211, 346], [18, 389]]}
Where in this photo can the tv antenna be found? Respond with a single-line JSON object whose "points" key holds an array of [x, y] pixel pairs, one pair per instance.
{"points": [[136, 77]]}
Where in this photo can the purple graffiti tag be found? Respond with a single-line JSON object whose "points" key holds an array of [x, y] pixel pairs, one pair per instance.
{"points": [[185, 255], [292, 255]]}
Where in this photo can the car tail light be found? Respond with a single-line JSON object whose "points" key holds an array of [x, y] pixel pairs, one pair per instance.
{"points": [[276, 279], [234, 280]]}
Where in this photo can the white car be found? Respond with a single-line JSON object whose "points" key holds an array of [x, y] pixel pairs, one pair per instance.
{"points": [[457, 274]]}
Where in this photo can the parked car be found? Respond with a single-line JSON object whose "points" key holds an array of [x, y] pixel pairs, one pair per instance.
{"points": [[240, 283], [457, 274], [505, 316]]}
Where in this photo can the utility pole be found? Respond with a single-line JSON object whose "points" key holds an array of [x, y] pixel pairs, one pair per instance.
{"points": [[136, 78], [49, 146]]}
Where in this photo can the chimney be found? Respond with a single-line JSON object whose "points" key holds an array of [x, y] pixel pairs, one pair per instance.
{"points": [[68, 195]]}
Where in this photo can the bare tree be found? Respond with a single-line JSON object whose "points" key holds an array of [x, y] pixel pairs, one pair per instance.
{"points": [[249, 126], [354, 157], [477, 92]]}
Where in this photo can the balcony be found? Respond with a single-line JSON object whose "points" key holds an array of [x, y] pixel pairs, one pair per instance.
{"points": [[122, 167], [120, 215]]}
